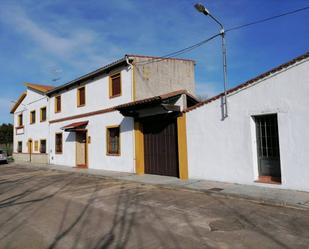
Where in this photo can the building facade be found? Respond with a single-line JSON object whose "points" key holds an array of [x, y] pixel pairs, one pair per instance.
{"points": [[83, 124], [138, 115], [264, 140], [31, 125]]}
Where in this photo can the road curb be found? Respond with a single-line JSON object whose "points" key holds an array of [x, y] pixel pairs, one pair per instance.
{"points": [[258, 200]]}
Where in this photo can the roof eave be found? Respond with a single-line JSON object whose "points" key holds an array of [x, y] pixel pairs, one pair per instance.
{"points": [[88, 76], [18, 102], [37, 89], [252, 81]]}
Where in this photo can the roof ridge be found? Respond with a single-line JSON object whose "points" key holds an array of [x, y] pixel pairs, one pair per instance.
{"points": [[18, 102], [157, 97], [40, 88], [252, 80], [83, 77], [158, 57], [35, 84]]}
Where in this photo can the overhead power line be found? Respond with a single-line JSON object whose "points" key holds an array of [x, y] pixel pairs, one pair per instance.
{"points": [[182, 51], [266, 19], [196, 45]]}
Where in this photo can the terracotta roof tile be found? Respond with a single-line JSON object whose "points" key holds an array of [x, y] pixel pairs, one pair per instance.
{"points": [[75, 125], [155, 98], [251, 81], [18, 102], [40, 88], [158, 57]]}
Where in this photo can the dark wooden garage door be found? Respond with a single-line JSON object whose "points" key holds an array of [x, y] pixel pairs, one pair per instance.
{"points": [[161, 147]]}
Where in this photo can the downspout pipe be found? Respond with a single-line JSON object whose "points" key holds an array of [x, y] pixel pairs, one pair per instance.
{"points": [[131, 66]]}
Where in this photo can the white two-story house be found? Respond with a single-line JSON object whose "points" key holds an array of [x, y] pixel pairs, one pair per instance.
{"points": [[105, 119], [31, 124], [138, 115]]}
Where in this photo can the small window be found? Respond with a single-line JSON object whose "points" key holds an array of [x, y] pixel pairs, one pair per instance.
{"points": [[43, 114], [32, 117], [43, 146], [58, 143], [36, 145], [20, 120], [58, 103], [19, 146], [81, 96], [113, 140], [115, 85]]}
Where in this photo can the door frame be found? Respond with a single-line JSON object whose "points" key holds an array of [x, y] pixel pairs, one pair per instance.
{"points": [[30, 148], [86, 147], [182, 147], [258, 177]]}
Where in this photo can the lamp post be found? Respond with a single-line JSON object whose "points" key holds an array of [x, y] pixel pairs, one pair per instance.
{"points": [[201, 8]]}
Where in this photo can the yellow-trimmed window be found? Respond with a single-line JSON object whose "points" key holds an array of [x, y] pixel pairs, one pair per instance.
{"points": [[43, 146], [36, 145], [115, 85], [43, 114], [32, 117], [19, 147], [58, 103], [81, 96], [20, 120], [58, 143], [113, 140]]}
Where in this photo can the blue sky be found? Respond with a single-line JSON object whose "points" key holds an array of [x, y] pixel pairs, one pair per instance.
{"points": [[44, 39]]}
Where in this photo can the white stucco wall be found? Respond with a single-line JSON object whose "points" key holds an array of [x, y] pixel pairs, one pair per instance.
{"points": [[97, 158], [38, 130], [226, 150], [97, 96]]}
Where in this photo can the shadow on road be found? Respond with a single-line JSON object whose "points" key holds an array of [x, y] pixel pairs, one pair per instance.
{"points": [[103, 213]]}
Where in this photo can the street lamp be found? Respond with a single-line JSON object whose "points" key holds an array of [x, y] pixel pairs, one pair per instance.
{"points": [[201, 8]]}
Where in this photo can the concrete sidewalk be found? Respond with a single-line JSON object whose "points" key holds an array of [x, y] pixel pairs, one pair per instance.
{"points": [[266, 195]]}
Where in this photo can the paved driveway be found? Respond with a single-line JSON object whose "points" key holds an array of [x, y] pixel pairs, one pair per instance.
{"points": [[54, 209]]}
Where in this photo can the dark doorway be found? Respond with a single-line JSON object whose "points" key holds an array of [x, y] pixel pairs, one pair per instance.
{"points": [[268, 146], [161, 146]]}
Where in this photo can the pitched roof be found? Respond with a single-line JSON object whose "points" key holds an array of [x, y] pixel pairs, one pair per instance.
{"points": [[90, 75], [40, 88], [107, 68], [75, 125], [18, 102], [252, 81], [37, 87], [156, 99], [158, 57]]}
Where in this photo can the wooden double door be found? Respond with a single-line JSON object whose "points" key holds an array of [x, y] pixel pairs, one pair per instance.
{"points": [[161, 146]]}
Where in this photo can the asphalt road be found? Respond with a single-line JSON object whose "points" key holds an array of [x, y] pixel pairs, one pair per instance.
{"points": [[54, 209]]}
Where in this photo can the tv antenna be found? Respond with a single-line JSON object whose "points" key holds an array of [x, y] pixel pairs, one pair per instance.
{"points": [[56, 74]]}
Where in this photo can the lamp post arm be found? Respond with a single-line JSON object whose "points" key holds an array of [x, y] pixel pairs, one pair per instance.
{"points": [[216, 20], [201, 8]]}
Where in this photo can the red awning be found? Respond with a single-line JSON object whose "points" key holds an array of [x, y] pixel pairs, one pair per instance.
{"points": [[75, 126]]}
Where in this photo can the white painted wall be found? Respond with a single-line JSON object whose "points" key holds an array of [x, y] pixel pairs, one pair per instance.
{"points": [[226, 150], [97, 96], [97, 158], [37, 131]]}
